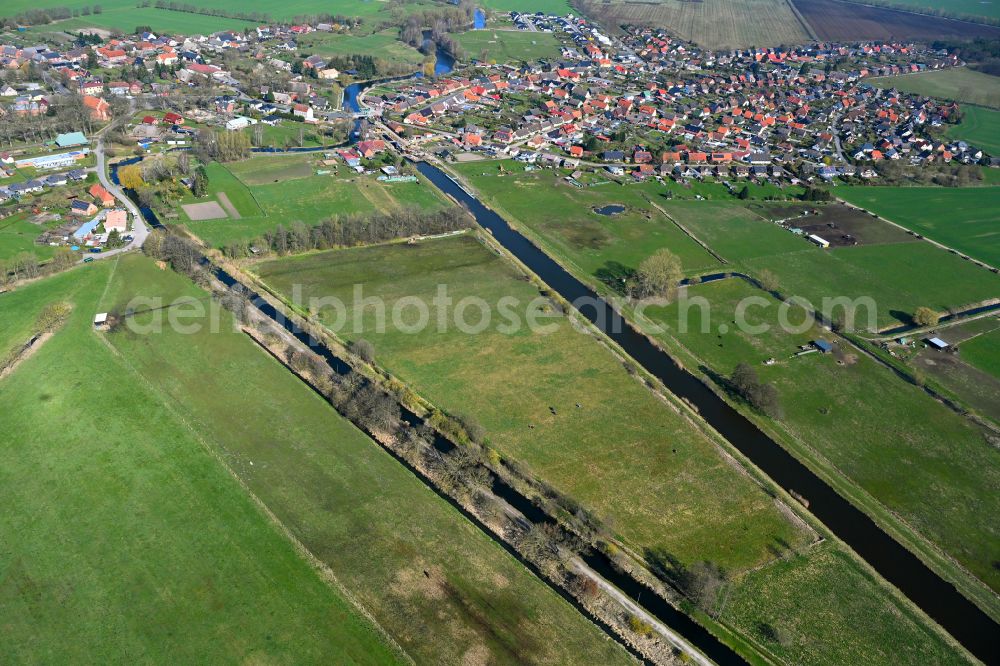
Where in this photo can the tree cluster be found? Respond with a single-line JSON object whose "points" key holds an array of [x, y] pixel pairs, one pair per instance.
{"points": [[222, 146], [761, 395]]}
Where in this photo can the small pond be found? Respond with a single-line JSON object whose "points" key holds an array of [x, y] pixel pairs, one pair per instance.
{"points": [[610, 209]]}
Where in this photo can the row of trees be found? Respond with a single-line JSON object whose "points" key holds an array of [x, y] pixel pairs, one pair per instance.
{"points": [[44, 16], [353, 230], [222, 146], [26, 265]]}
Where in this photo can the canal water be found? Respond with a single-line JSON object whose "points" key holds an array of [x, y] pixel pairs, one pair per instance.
{"points": [[938, 598]]}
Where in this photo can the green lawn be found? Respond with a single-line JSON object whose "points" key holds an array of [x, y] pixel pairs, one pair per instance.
{"points": [[970, 7], [961, 217], [920, 459], [619, 445], [629, 440], [300, 196], [898, 277], [596, 244], [509, 45], [980, 127], [352, 505], [384, 45], [559, 7], [221, 180], [960, 84], [983, 352], [123, 535], [18, 235], [769, 597]]}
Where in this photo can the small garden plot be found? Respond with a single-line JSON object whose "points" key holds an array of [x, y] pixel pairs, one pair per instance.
{"points": [[208, 210]]}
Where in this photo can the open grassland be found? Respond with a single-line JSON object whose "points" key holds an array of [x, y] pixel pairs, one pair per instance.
{"points": [[960, 84], [558, 7], [18, 235], [988, 8], [764, 608], [286, 191], [983, 352], [713, 24], [980, 127], [509, 45], [963, 218], [123, 535], [894, 269], [620, 452], [127, 17], [221, 181], [440, 587], [921, 460], [621, 437], [846, 21], [898, 277], [564, 216], [384, 45]]}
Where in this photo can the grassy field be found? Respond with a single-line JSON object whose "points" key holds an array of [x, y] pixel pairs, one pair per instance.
{"points": [[384, 45], [961, 84], [286, 190], [899, 276], [127, 17], [983, 352], [617, 446], [714, 24], [18, 235], [559, 7], [597, 244], [509, 45], [766, 599], [123, 536], [969, 7], [354, 507], [962, 218], [923, 461], [508, 382], [221, 180], [979, 127]]}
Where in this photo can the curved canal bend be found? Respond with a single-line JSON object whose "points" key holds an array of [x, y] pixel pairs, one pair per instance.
{"points": [[936, 597]]}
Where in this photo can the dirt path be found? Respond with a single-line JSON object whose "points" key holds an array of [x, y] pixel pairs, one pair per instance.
{"points": [[228, 205]]}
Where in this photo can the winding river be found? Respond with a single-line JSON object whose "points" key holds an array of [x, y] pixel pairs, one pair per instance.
{"points": [[936, 597]]}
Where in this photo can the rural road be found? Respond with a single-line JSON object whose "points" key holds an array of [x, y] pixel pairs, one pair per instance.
{"points": [[139, 229]]}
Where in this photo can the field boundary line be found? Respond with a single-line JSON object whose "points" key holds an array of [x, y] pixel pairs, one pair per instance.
{"points": [[802, 19], [325, 573]]}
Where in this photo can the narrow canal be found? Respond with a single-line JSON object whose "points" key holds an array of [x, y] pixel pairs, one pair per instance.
{"points": [[938, 598]]}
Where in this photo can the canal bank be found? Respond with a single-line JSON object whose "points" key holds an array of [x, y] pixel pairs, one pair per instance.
{"points": [[934, 596]]}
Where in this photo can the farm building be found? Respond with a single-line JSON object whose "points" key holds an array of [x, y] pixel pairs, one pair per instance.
{"points": [[822, 242], [101, 321], [823, 346], [937, 343]]}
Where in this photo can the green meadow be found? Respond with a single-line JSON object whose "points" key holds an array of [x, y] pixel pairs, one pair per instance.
{"points": [[351, 504], [897, 272], [384, 44], [964, 218], [980, 127], [509, 382], [961, 84], [269, 191], [18, 235], [983, 352], [562, 405], [564, 218], [509, 45], [917, 458], [123, 535]]}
